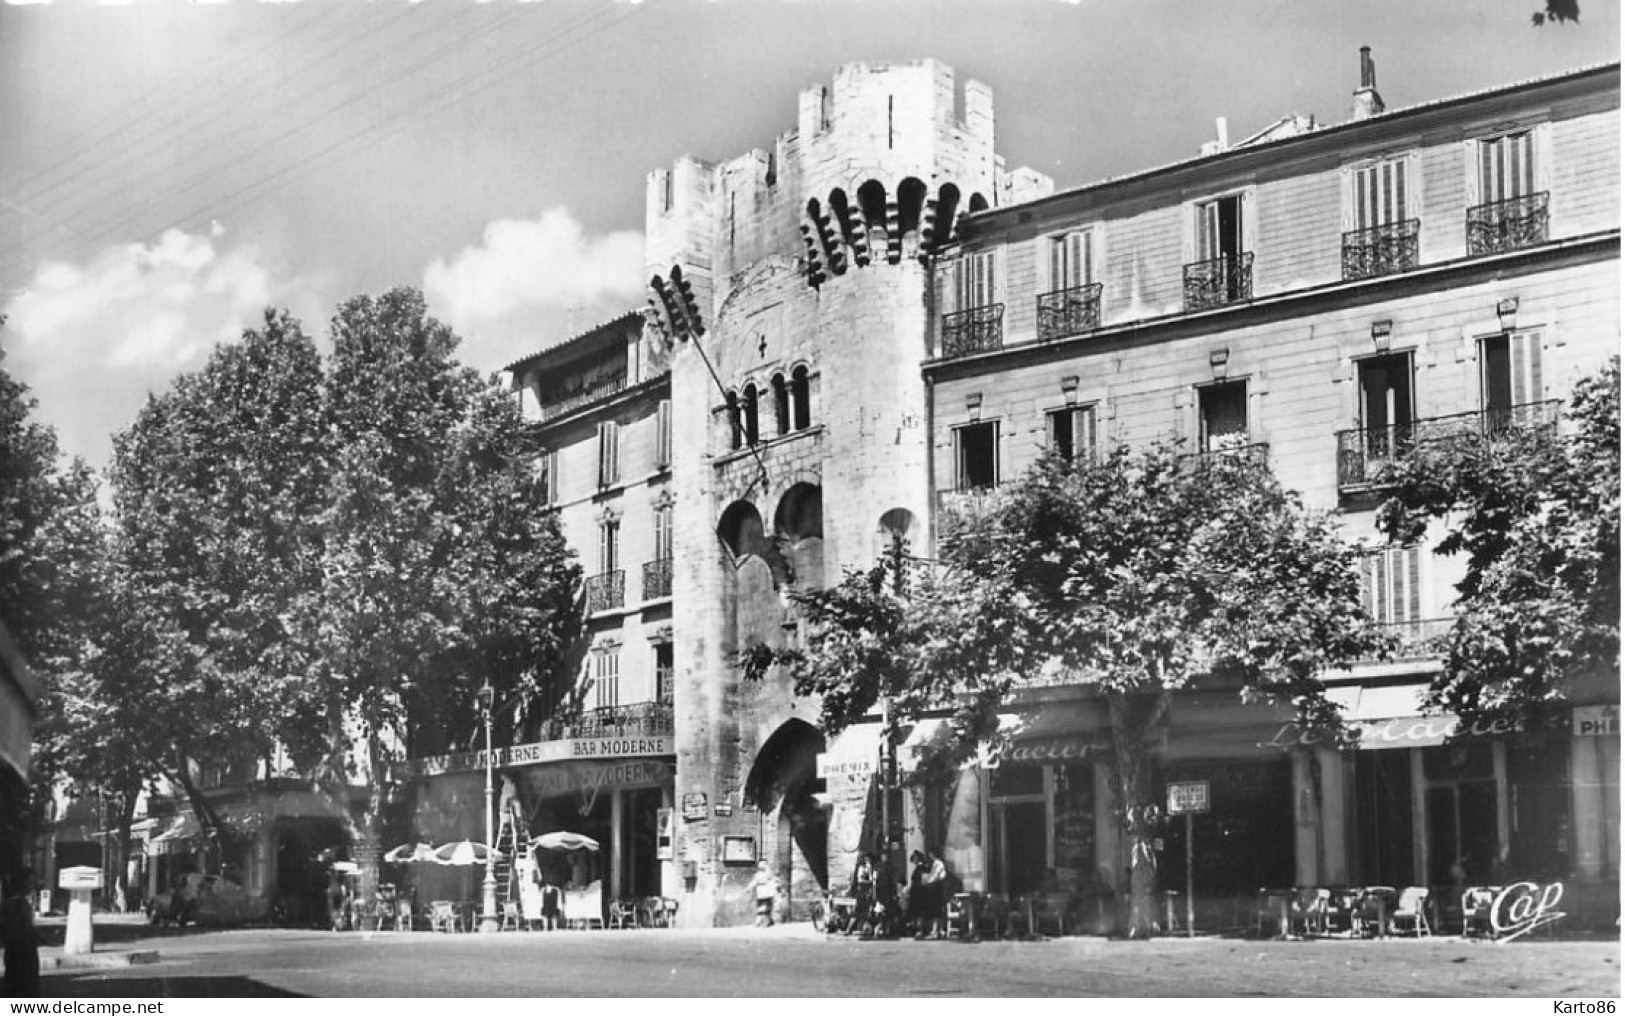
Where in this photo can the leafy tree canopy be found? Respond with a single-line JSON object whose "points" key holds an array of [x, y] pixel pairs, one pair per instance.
{"points": [[1136, 577], [1534, 512]]}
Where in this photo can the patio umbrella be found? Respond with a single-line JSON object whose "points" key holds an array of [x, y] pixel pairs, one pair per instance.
{"points": [[410, 853], [465, 852], [562, 840]]}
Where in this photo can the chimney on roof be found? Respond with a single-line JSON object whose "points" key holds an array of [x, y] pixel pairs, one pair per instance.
{"points": [[1222, 128], [1367, 103]]}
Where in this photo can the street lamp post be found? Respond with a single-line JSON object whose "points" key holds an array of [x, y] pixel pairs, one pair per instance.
{"points": [[488, 896]]}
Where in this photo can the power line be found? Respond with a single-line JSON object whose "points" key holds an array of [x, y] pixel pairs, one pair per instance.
{"points": [[176, 191]]}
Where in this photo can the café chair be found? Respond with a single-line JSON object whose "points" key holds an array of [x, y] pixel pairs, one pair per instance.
{"points": [[1375, 909], [622, 914], [1475, 911], [443, 916], [1309, 910], [1412, 910]]}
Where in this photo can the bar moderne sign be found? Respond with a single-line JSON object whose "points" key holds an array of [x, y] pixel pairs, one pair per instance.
{"points": [[542, 751]]}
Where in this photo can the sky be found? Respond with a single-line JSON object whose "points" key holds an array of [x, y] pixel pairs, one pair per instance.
{"points": [[169, 169]]}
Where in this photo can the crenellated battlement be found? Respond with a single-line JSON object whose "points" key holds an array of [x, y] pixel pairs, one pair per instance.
{"points": [[882, 164]]}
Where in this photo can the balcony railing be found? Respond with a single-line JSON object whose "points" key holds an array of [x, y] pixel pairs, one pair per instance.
{"points": [[1364, 455], [1218, 282], [558, 404], [966, 500], [1381, 250], [657, 578], [1068, 312], [1258, 451], [606, 592], [1417, 638], [978, 330], [1512, 224], [640, 719]]}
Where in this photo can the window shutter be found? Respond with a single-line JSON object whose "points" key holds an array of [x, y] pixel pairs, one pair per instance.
{"points": [[1190, 225], [1542, 156], [1083, 434], [1412, 164], [1527, 385], [1413, 570], [1057, 263], [1470, 169], [1247, 208], [663, 433], [1347, 182]]}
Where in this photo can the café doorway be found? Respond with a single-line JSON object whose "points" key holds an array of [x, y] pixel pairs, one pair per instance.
{"points": [[1020, 828]]}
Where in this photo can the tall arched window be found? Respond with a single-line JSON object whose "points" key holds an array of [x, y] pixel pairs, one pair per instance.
{"points": [[748, 409], [781, 404], [735, 431], [800, 399]]}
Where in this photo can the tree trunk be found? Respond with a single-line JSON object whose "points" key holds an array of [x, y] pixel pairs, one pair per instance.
{"points": [[121, 871], [219, 834], [1139, 814]]}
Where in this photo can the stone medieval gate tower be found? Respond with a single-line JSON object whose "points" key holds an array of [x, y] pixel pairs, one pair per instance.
{"points": [[792, 285]]}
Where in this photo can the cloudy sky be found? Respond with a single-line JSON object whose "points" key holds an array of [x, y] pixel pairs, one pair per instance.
{"points": [[170, 168]]}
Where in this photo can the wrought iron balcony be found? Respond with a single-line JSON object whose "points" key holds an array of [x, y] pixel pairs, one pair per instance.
{"points": [[1381, 250], [1512, 224], [1363, 456], [640, 719], [1218, 282], [1068, 312], [606, 591], [657, 578], [1417, 638], [978, 330]]}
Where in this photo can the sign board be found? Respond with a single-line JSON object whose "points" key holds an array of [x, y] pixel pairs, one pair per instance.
{"points": [[739, 850], [1188, 798], [694, 807], [81, 877], [663, 834], [631, 746], [855, 769], [1596, 721]]}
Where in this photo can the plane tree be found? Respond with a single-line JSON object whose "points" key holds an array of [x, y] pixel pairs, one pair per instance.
{"points": [[1134, 577]]}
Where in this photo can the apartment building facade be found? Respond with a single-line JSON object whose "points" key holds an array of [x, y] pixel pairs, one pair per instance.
{"points": [[1319, 296], [597, 410]]}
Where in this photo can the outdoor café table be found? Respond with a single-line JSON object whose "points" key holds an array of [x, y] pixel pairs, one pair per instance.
{"points": [[1277, 903], [969, 906]]}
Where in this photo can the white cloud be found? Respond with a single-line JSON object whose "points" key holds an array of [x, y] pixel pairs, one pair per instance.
{"points": [[92, 339], [524, 272]]}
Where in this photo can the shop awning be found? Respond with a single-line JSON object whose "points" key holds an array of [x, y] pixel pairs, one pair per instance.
{"points": [[1390, 716], [175, 835]]}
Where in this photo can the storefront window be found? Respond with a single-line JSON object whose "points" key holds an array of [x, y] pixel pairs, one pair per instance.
{"points": [[1245, 841], [1541, 804], [1381, 814]]}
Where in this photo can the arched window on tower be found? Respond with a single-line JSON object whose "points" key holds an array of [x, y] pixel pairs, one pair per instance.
{"points": [[800, 398], [781, 404], [735, 431], [748, 409]]}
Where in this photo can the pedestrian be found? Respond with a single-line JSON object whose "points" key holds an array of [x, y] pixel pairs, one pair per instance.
{"points": [[928, 895], [863, 894], [19, 939], [765, 887]]}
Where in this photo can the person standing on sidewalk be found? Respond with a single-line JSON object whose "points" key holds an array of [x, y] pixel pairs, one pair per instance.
{"points": [[18, 938], [765, 887]]}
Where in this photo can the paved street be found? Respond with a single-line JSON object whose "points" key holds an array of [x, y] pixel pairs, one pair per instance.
{"points": [[791, 961]]}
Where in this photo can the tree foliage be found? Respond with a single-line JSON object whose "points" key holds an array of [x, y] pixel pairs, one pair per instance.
{"points": [[1133, 577], [1557, 11], [1534, 512], [328, 557]]}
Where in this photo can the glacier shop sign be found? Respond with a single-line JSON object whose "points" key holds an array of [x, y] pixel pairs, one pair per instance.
{"points": [[1399, 732], [636, 746]]}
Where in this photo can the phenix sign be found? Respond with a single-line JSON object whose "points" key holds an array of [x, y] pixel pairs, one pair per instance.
{"points": [[1522, 907]]}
